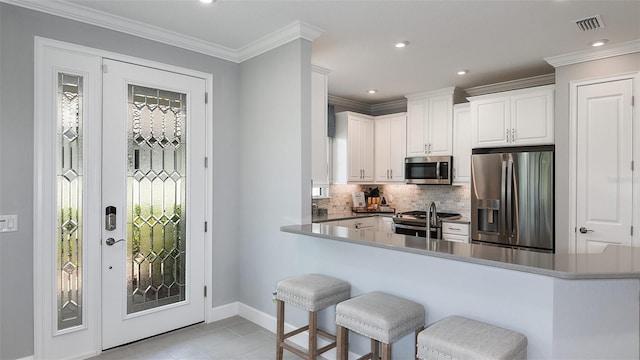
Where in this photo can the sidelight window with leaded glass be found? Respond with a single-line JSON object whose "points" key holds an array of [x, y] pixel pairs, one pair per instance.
{"points": [[69, 201]]}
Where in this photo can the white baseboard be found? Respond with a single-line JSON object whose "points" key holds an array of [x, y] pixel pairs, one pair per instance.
{"points": [[27, 358], [269, 322]]}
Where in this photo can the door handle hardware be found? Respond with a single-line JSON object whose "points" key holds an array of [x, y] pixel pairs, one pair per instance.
{"points": [[111, 241], [584, 230]]}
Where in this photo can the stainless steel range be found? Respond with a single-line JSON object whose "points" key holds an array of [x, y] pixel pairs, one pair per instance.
{"points": [[415, 223]]}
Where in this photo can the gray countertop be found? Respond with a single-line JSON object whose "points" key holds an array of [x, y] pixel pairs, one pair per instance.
{"points": [[616, 262]]}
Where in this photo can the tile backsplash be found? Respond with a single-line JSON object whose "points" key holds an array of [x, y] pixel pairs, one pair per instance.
{"points": [[403, 197]]}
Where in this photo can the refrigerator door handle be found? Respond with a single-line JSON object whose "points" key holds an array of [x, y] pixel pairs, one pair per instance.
{"points": [[510, 198], [503, 197]]}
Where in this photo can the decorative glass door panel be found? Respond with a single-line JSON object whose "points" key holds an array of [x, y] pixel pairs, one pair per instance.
{"points": [[154, 182], [156, 195], [69, 201]]}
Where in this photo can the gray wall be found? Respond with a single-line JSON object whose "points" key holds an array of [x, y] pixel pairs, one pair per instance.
{"points": [[275, 174], [564, 75], [18, 27]]}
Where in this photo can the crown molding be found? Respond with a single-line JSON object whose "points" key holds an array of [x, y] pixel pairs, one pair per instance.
{"points": [[625, 48], [394, 106], [446, 91], [61, 8], [539, 80], [389, 107], [320, 70], [293, 31], [352, 105]]}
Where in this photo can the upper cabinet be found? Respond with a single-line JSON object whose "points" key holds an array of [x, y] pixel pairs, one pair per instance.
{"points": [[319, 139], [353, 147], [461, 144], [430, 123], [390, 146], [513, 118]]}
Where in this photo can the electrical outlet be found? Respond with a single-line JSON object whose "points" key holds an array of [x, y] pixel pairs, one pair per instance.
{"points": [[8, 223]]}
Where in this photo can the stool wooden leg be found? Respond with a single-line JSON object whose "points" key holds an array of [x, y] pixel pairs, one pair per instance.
{"points": [[375, 352], [280, 329], [313, 335], [386, 351], [342, 343], [415, 348]]}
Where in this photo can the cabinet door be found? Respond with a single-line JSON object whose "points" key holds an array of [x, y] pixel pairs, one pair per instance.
{"points": [[367, 149], [354, 146], [397, 147], [416, 127], [490, 122], [382, 149], [461, 144], [319, 139], [532, 118], [440, 126]]}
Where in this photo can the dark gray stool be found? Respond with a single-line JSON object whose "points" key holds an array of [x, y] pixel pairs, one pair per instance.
{"points": [[382, 317], [458, 338], [312, 293]]}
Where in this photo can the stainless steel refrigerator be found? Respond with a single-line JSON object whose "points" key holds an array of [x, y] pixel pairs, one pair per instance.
{"points": [[512, 197]]}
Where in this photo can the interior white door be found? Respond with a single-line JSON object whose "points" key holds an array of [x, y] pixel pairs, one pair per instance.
{"points": [[604, 175], [154, 178]]}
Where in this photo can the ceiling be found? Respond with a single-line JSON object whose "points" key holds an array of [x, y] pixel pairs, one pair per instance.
{"points": [[495, 40]]}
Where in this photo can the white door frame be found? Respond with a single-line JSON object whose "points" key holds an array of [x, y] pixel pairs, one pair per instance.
{"points": [[573, 155], [44, 199]]}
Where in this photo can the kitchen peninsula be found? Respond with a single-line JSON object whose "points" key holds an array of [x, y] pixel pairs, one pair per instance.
{"points": [[583, 306]]}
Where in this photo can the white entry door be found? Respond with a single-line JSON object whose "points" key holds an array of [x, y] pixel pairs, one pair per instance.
{"points": [[604, 173], [154, 183]]}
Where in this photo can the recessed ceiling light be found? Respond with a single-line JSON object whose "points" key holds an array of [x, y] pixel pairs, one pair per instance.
{"points": [[402, 44], [206, 1], [372, 91], [462, 72], [599, 42]]}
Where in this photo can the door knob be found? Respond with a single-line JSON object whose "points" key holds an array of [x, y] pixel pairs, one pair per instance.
{"points": [[584, 230], [111, 241]]}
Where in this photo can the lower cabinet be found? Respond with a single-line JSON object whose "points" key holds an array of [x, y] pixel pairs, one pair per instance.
{"points": [[453, 231]]}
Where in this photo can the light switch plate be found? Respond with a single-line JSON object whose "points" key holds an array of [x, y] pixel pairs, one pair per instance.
{"points": [[8, 223]]}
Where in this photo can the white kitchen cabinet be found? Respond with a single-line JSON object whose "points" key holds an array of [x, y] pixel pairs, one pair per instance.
{"points": [[390, 147], [430, 123], [461, 144], [319, 139], [353, 148], [455, 231], [513, 118]]}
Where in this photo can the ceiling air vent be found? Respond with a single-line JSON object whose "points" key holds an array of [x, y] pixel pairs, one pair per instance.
{"points": [[590, 23]]}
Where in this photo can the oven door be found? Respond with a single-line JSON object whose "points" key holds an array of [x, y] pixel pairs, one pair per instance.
{"points": [[428, 170]]}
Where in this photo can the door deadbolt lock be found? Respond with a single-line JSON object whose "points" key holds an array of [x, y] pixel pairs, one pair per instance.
{"points": [[584, 230], [111, 241], [110, 218]]}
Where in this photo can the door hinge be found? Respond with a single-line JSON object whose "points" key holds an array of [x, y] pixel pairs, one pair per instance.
{"points": [[631, 230], [205, 226], [633, 101], [105, 68], [632, 165], [205, 291], [206, 97], [206, 162]]}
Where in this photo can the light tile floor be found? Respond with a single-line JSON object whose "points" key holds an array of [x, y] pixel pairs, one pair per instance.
{"points": [[234, 338]]}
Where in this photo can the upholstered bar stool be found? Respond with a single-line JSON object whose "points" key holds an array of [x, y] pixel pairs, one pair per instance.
{"points": [[382, 317], [312, 293], [459, 338]]}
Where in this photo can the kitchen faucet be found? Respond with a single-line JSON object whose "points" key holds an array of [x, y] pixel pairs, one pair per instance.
{"points": [[432, 218]]}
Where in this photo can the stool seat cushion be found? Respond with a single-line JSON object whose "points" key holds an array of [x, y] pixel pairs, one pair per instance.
{"points": [[312, 292], [380, 316], [456, 337]]}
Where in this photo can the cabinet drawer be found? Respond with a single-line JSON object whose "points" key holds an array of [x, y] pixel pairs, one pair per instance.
{"points": [[359, 223], [458, 238], [455, 228]]}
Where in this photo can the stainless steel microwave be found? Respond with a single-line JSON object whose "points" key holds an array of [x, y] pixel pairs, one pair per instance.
{"points": [[428, 170]]}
